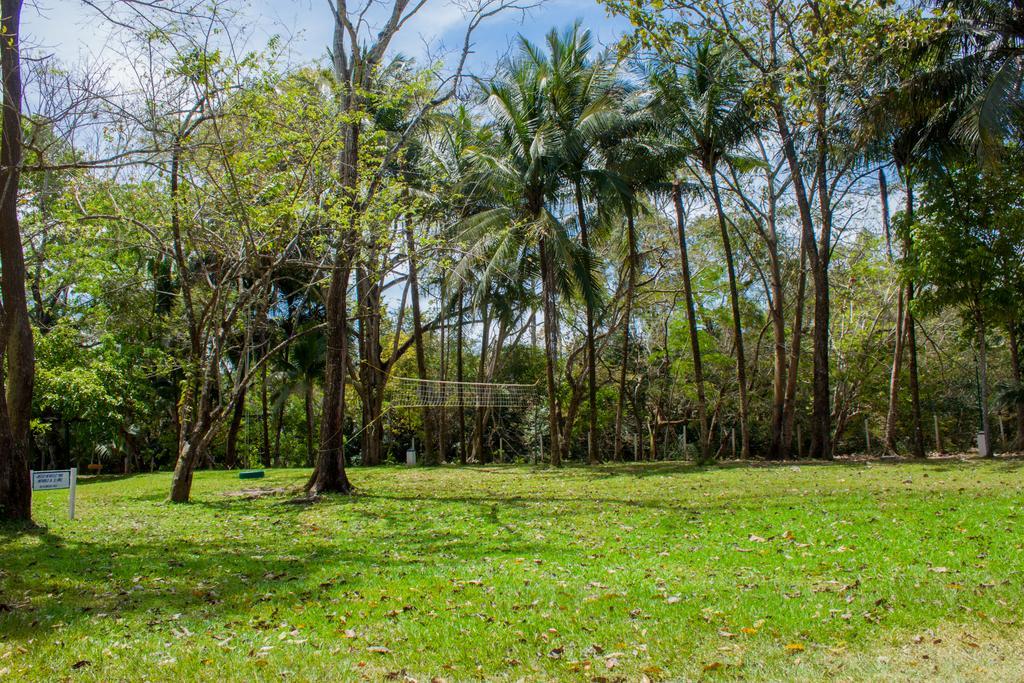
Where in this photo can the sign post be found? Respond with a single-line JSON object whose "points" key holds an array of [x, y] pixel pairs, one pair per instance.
{"points": [[49, 480]]}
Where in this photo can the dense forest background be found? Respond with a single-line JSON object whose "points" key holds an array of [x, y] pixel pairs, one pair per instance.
{"points": [[754, 228]]}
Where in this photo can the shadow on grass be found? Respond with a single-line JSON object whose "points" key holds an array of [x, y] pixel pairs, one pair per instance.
{"points": [[48, 579]]}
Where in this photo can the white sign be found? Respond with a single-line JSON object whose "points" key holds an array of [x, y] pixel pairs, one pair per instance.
{"points": [[48, 480]]}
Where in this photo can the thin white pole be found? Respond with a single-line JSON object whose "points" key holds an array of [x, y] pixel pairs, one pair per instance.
{"points": [[867, 436], [71, 494], [684, 441], [938, 437]]}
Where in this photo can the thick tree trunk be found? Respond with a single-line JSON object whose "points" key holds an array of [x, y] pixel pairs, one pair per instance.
{"points": [[821, 408], [16, 330], [592, 458], [631, 264], [691, 319], [429, 457], [792, 372], [549, 287], [192, 450], [737, 320], [329, 471]]}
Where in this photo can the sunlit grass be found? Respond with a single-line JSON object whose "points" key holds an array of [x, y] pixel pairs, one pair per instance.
{"points": [[663, 571]]}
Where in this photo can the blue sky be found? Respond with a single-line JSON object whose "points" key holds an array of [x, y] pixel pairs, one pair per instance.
{"points": [[70, 31]]}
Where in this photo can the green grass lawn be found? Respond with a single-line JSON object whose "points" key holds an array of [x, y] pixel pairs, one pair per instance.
{"points": [[664, 572]]}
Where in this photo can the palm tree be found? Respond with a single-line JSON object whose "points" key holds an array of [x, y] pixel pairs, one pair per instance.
{"points": [[586, 101], [970, 76], [709, 111], [521, 171]]}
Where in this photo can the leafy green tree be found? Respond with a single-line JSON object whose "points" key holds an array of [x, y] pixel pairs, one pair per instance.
{"points": [[969, 252], [709, 107]]}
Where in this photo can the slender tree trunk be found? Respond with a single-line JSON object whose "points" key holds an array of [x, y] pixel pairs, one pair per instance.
{"points": [[444, 342], [916, 428], [737, 320], [421, 354], [1015, 365], [480, 413], [592, 458], [460, 378], [983, 386], [691, 319], [310, 424], [265, 422], [894, 374], [234, 427], [631, 263], [548, 286], [15, 330], [821, 430], [897, 357]]}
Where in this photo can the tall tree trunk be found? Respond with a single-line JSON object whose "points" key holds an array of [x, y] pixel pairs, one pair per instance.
{"points": [[737, 320], [234, 427], [460, 378], [480, 416], [691, 319], [817, 254], [592, 458], [894, 374], [444, 342], [371, 372], [329, 471], [429, 457], [15, 330], [983, 384], [821, 403], [897, 357], [310, 424], [1013, 328], [792, 372], [265, 422], [821, 430], [631, 264], [548, 287], [916, 427]]}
